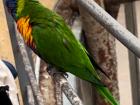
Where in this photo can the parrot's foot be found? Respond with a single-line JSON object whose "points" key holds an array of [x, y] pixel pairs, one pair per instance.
{"points": [[52, 71]]}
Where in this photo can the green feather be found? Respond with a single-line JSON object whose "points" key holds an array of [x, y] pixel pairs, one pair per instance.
{"points": [[107, 95], [57, 45]]}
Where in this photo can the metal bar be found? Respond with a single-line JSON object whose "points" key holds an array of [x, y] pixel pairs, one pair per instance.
{"points": [[117, 30], [131, 24], [30, 96], [58, 93], [70, 94], [28, 69], [66, 87]]}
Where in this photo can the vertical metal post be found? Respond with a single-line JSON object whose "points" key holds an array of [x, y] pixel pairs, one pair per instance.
{"points": [[131, 24], [18, 58]]}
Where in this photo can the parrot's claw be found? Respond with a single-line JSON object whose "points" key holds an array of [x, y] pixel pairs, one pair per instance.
{"points": [[52, 71], [65, 74]]}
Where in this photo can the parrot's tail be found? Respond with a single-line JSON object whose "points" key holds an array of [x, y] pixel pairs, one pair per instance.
{"points": [[103, 91]]}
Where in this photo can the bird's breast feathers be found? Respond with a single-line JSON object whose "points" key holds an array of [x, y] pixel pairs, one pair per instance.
{"points": [[24, 27]]}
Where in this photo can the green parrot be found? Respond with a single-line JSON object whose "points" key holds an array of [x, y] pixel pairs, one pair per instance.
{"points": [[46, 33]]}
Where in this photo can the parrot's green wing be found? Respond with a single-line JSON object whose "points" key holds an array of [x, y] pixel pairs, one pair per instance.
{"points": [[57, 44], [63, 52]]}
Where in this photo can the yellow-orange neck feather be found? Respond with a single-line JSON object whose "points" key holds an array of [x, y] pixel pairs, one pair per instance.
{"points": [[24, 27]]}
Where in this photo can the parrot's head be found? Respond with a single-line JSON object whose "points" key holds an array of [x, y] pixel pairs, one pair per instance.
{"points": [[12, 7]]}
